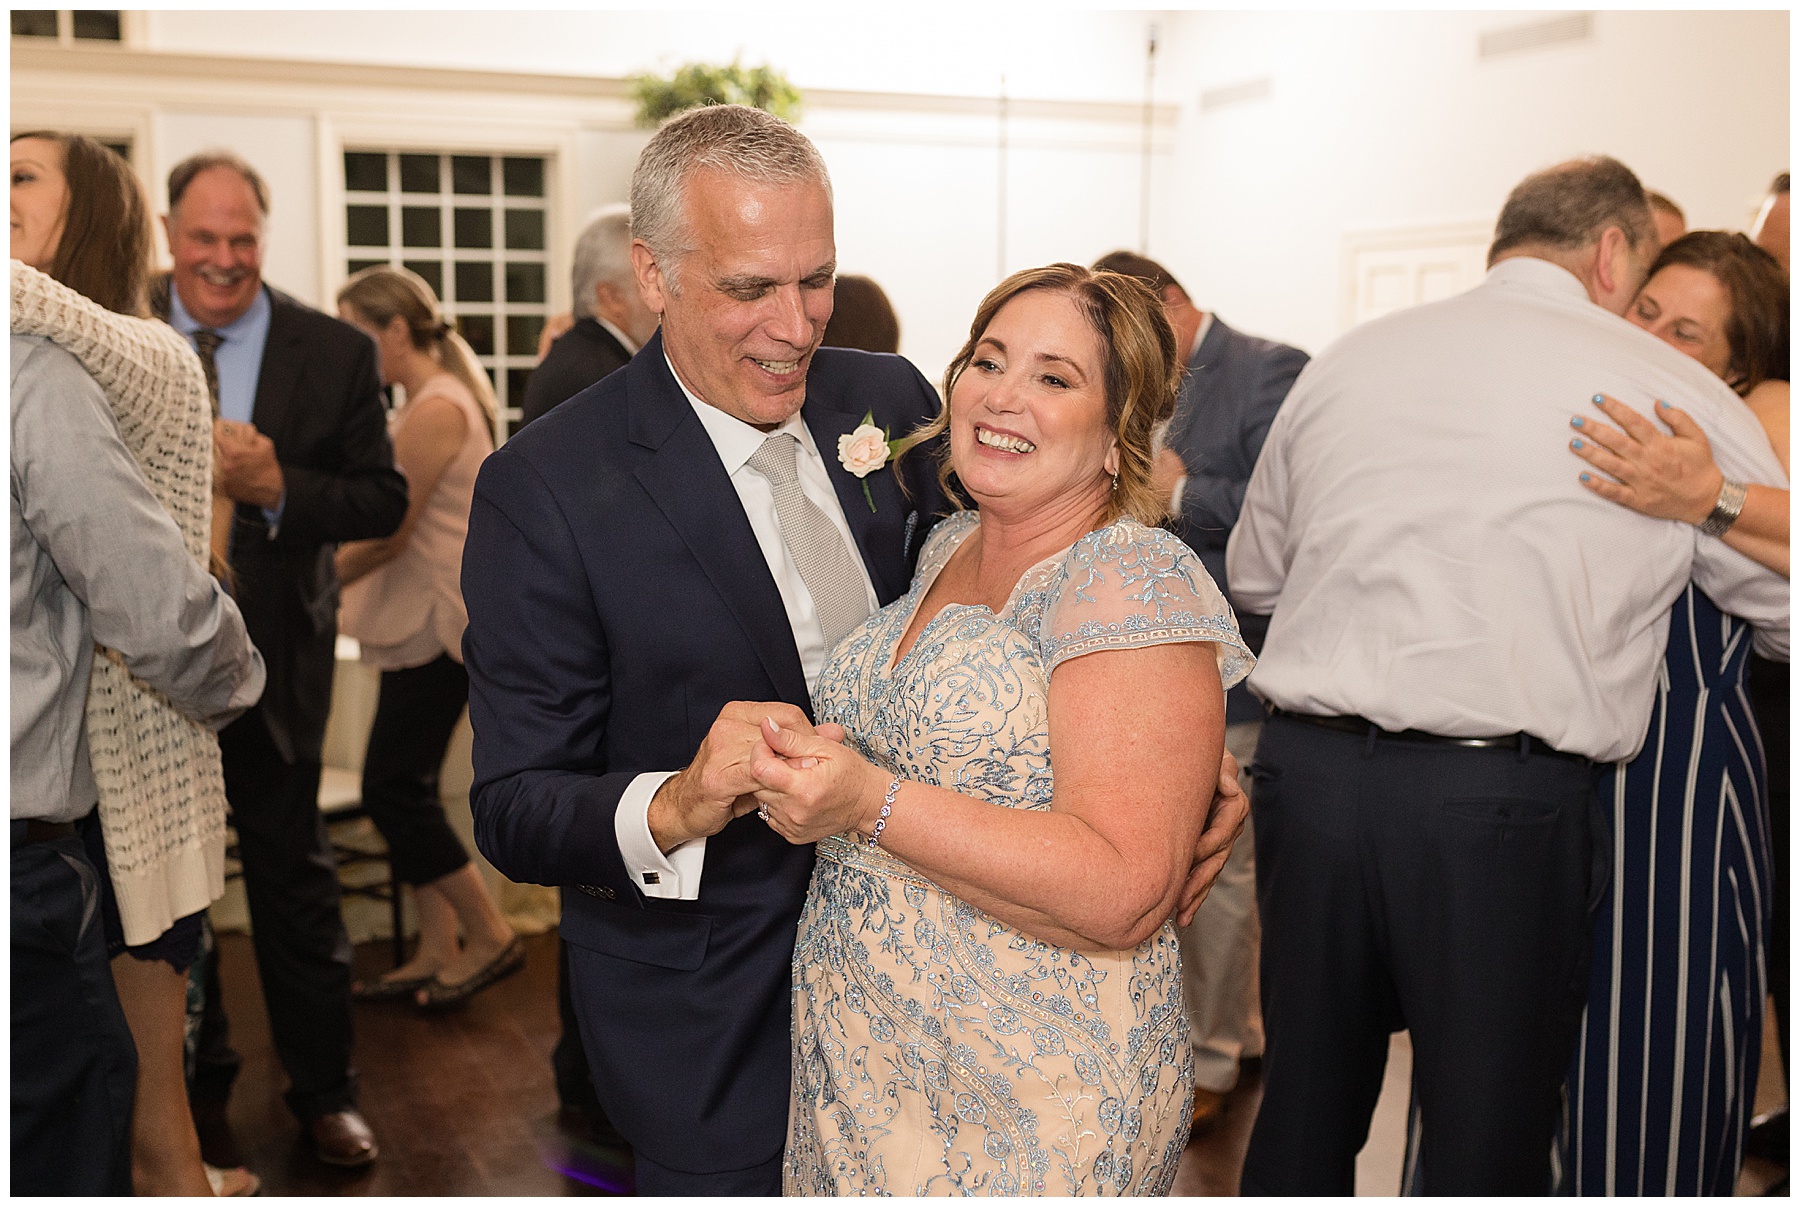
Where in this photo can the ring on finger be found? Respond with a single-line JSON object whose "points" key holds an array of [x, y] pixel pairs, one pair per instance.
{"points": [[762, 811]]}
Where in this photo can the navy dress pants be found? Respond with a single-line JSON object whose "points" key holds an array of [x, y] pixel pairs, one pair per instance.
{"points": [[74, 1066], [1441, 889]]}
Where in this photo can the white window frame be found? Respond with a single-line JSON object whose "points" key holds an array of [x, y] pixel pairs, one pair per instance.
{"points": [[340, 132]]}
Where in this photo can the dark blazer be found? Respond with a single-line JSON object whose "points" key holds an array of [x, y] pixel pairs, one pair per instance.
{"points": [[1234, 385], [318, 397], [579, 357], [617, 601]]}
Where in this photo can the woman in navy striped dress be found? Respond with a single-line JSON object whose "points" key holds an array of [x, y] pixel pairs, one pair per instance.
{"points": [[1663, 1078]]}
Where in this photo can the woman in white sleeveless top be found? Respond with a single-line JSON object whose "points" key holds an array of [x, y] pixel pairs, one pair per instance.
{"points": [[403, 602]]}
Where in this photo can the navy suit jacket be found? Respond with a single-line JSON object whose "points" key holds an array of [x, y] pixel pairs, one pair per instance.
{"points": [[617, 601], [1234, 385]]}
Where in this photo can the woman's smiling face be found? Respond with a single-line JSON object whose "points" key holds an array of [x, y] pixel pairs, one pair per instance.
{"points": [[1028, 421]]}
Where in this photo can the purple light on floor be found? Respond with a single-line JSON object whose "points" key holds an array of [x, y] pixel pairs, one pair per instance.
{"points": [[590, 1179], [585, 1164]]}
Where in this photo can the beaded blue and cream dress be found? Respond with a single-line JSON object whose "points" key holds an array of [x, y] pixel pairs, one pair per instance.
{"points": [[936, 1049]]}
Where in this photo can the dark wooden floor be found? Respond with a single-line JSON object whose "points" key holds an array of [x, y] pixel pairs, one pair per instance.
{"points": [[464, 1104]]}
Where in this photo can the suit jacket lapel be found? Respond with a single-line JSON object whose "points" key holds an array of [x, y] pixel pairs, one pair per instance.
{"points": [[279, 373], [688, 483]]}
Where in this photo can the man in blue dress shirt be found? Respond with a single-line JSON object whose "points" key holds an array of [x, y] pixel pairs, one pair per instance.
{"points": [[303, 461]]}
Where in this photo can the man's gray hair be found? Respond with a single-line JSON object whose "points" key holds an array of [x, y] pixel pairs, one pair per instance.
{"points": [[746, 142], [602, 253], [1570, 205]]}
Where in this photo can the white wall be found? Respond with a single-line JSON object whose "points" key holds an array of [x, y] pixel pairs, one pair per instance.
{"points": [[1374, 122], [1047, 54], [279, 146], [1379, 121]]}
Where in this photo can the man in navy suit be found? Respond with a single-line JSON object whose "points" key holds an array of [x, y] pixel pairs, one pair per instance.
{"points": [[1233, 386], [628, 578]]}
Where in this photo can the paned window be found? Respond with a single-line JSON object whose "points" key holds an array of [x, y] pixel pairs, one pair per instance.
{"points": [[68, 25], [476, 228]]}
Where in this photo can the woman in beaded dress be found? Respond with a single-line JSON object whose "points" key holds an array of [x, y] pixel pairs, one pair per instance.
{"points": [[987, 982]]}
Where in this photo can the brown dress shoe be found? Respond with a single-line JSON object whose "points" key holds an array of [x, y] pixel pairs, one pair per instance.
{"points": [[343, 1138]]}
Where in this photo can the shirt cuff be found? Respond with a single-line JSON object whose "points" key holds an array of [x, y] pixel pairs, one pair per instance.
{"points": [[673, 877], [273, 514], [1175, 498]]}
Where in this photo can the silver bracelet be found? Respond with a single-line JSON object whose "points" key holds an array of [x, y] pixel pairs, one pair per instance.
{"points": [[887, 807], [1726, 511]]}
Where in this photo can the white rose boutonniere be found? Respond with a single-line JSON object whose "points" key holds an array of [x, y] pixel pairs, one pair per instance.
{"points": [[864, 451]]}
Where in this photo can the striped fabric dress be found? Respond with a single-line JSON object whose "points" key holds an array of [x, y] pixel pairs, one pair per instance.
{"points": [[1663, 1078]]}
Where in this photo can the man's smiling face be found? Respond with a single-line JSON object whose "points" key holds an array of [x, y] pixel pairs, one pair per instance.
{"points": [[750, 293]]}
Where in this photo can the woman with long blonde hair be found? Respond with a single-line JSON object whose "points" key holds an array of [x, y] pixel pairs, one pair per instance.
{"points": [[403, 603]]}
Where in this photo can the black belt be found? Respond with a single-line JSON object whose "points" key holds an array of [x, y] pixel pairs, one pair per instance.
{"points": [[1523, 743], [30, 830]]}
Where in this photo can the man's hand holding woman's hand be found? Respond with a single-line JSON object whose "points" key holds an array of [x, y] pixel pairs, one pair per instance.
{"points": [[698, 801], [810, 785]]}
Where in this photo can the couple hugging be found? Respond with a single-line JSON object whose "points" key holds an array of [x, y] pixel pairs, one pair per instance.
{"points": [[925, 947]]}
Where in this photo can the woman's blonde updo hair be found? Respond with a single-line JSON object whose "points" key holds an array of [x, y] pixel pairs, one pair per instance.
{"points": [[1141, 374], [381, 294]]}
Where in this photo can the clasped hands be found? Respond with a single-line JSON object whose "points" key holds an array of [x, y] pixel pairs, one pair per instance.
{"points": [[244, 465], [808, 785]]}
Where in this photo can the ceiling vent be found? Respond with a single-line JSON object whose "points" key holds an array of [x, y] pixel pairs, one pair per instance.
{"points": [[1236, 94], [1570, 27]]}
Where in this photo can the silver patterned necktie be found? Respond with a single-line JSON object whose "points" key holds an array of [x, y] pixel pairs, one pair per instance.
{"points": [[831, 572]]}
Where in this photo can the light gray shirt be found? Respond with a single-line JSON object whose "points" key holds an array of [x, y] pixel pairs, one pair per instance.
{"points": [[1416, 525], [95, 558]]}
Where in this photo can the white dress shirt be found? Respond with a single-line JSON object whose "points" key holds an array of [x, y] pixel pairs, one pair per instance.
{"points": [[1417, 528], [677, 875], [625, 341]]}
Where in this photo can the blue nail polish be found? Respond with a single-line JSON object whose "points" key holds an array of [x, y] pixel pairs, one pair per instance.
{"points": [[1578, 421], [1665, 406], [1599, 398], [1576, 443], [1585, 478]]}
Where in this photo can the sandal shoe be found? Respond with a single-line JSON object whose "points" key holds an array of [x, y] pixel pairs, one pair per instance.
{"points": [[388, 989], [234, 1183], [439, 996]]}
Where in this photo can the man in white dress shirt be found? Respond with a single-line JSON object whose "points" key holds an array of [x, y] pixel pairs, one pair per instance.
{"points": [[1460, 631]]}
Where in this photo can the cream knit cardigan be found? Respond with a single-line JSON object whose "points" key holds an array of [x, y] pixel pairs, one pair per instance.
{"points": [[162, 793]]}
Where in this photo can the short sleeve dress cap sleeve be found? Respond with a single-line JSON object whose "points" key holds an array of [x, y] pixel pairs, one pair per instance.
{"points": [[1126, 586]]}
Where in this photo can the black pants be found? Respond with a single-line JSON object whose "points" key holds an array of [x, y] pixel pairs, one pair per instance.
{"points": [[414, 720], [302, 950], [1768, 684], [1433, 888], [74, 1066]]}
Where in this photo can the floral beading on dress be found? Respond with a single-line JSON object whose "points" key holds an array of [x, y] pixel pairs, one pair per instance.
{"points": [[938, 1050]]}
